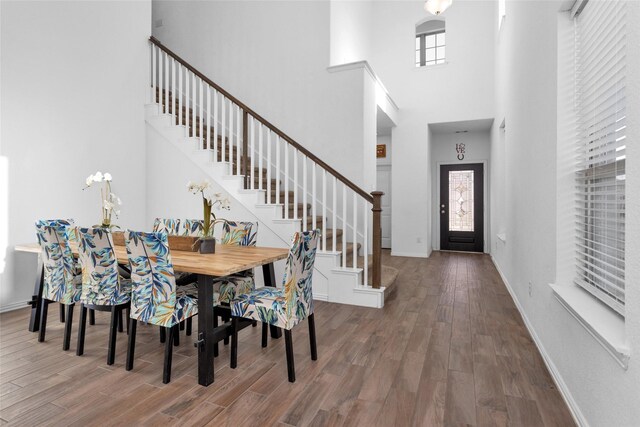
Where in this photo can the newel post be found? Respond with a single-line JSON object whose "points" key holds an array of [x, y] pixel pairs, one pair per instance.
{"points": [[376, 273], [245, 148]]}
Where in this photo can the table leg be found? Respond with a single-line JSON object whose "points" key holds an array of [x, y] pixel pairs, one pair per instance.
{"points": [[36, 299], [270, 280], [206, 340]]}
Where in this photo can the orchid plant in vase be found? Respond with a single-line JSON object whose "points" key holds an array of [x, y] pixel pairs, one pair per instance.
{"points": [[209, 201], [110, 202]]}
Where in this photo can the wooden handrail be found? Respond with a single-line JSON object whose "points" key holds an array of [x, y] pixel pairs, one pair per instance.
{"points": [[368, 197]]}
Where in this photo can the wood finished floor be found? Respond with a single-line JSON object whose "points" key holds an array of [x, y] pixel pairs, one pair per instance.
{"points": [[449, 348]]}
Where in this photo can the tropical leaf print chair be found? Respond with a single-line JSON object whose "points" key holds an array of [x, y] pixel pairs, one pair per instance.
{"points": [[61, 283], [102, 287], [239, 234], [180, 227], [153, 297], [284, 307]]}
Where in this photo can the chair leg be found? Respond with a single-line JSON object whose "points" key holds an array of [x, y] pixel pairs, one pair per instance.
{"points": [[113, 335], [265, 333], [92, 317], [43, 319], [176, 338], [312, 337], [81, 330], [189, 325], [163, 334], [168, 353], [234, 342], [254, 323], [182, 325], [120, 321], [127, 312], [131, 327], [67, 328], [291, 369], [61, 313]]}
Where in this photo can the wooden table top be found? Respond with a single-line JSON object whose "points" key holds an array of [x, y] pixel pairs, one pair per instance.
{"points": [[227, 259]]}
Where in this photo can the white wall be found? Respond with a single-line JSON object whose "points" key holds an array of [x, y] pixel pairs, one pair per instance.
{"points": [[461, 89], [274, 57], [443, 151], [601, 391], [350, 31], [73, 92]]}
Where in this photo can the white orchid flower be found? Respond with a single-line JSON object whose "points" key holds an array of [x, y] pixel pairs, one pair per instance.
{"points": [[89, 180], [107, 176], [98, 177]]}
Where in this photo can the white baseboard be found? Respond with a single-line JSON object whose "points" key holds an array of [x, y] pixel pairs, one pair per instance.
{"points": [[320, 297], [13, 306], [576, 413], [409, 254]]}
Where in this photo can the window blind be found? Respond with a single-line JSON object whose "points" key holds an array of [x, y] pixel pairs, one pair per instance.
{"points": [[600, 71]]}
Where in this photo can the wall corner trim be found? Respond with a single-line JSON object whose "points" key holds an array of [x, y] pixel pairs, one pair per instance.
{"points": [[578, 417], [363, 64]]}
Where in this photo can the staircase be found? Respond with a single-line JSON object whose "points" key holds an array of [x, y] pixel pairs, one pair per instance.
{"points": [[285, 186]]}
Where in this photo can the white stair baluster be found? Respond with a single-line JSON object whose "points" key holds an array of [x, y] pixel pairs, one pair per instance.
{"points": [[252, 151], [215, 125], [355, 230], [345, 228], [160, 86], [223, 133], [230, 133], [286, 180], [313, 197], [269, 166], [295, 183], [194, 105], [166, 83], [179, 94], [334, 220], [238, 139], [209, 118], [260, 132], [277, 169], [304, 193], [365, 236], [154, 69], [187, 96], [201, 124], [173, 91], [324, 209]]}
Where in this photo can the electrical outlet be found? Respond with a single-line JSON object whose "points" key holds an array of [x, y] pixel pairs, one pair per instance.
{"points": [[158, 23], [530, 288]]}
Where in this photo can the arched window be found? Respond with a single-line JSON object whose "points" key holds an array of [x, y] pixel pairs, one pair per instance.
{"points": [[430, 43]]}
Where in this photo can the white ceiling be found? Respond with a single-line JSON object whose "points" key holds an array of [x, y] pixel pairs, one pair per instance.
{"points": [[482, 125]]}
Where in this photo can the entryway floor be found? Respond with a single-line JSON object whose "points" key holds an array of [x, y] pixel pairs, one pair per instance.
{"points": [[449, 348]]}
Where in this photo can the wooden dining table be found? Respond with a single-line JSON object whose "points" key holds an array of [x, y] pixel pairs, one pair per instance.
{"points": [[225, 261]]}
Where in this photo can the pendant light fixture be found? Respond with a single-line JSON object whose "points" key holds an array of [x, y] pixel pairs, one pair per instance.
{"points": [[436, 7]]}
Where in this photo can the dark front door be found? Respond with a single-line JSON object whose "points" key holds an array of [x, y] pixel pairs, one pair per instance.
{"points": [[461, 207]]}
